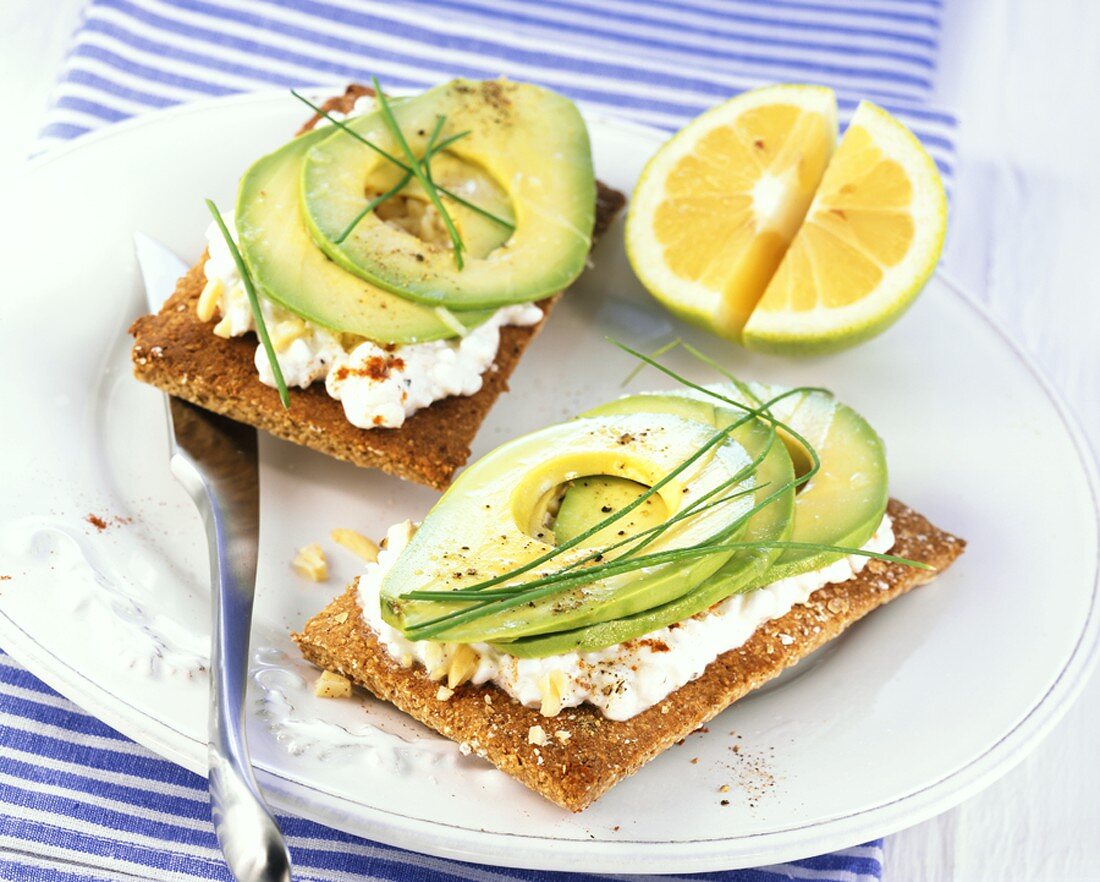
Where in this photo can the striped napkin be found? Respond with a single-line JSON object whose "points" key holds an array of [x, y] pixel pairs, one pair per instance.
{"points": [[78, 801]]}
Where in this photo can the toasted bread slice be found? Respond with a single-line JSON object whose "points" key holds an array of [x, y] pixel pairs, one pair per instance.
{"points": [[180, 354], [594, 753]]}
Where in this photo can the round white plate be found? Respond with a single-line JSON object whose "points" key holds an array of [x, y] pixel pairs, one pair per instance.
{"points": [[912, 710]]}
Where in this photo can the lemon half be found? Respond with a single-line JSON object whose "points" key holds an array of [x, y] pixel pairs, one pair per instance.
{"points": [[747, 224]]}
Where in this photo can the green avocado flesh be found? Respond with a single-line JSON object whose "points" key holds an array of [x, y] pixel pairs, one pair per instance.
{"points": [[590, 499], [770, 523], [495, 518], [842, 504], [531, 149], [552, 487], [293, 272]]}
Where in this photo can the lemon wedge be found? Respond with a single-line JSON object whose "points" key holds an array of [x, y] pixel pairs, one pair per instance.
{"points": [[870, 240], [715, 209]]}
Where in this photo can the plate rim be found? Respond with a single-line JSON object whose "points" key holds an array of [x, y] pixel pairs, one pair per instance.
{"points": [[653, 856]]}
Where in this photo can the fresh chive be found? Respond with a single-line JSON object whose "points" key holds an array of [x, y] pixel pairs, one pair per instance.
{"points": [[661, 350], [418, 170], [454, 197], [370, 206], [698, 506], [543, 588], [253, 303], [815, 460], [433, 149]]}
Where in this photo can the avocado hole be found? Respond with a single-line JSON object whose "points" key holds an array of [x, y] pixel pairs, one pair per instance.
{"points": [[575, 506], [415, 216], [412, 211]]}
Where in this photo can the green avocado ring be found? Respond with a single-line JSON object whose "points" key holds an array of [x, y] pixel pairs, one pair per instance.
{"points": [[532, 142]]}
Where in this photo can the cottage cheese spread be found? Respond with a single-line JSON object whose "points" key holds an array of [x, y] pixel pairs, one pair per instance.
{"points": [[377, 386], [621, 680]]}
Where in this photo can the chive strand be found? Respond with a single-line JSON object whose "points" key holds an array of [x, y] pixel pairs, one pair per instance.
{"points": [[253, 304], [433, 627], [433, 149], [657, 353], [454, 197], [418, 170]]}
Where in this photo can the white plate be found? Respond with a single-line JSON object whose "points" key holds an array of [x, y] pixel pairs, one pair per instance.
{"points": [[911, 711]]}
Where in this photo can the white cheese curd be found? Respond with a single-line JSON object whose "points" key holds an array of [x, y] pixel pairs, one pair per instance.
{"points": [[377, 386], [621, 680]]}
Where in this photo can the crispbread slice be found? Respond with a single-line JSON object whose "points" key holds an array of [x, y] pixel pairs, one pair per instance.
{"points": [[599, 752], [181, 355]]}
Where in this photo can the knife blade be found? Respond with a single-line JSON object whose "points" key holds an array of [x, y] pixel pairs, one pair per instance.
{"points": [[216, 461]]}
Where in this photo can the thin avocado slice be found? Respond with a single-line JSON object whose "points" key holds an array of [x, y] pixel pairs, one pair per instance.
{"points": [[590, 499], [493, 519], [532, 142], [844, 503], [772, 522], [293, 272]]}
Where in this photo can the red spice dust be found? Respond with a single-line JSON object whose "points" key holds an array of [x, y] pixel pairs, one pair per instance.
{"points": [[375, 368], [97, 522]]}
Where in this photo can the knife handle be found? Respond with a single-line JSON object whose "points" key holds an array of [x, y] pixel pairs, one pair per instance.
{"points": [[247, 832]]}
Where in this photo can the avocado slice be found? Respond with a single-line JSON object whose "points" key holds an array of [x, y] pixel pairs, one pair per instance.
{"points": [[590, 499], [771, 523], [293, 272], [493, 519], [532, 142], [844, 503]]}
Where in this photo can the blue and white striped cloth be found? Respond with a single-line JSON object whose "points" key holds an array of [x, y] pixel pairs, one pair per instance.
{"points": [[78, 801]]}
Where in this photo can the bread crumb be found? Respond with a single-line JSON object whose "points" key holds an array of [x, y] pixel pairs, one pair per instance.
{"points": [[725, 788], [537, 735], [563, 736], [332, 685], [444, 693], [357, 544], [310, 562]]}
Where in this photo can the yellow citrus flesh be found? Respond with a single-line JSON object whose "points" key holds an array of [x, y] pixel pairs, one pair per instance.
{"points": [[869, 241], [717, 206]]}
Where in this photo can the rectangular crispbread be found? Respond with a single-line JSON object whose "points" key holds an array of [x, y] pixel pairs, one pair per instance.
{"points": [[176, 352], [600, 752]]}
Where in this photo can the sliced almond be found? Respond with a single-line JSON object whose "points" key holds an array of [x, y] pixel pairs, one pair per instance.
{"points": [[357, 544], [310, 562]]}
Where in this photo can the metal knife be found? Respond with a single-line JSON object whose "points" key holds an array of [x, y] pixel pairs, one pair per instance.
{"points": [[215, 459]]}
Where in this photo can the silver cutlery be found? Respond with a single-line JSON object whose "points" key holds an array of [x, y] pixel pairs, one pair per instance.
{"points": [[215, 459]]}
